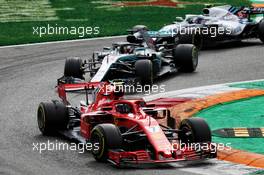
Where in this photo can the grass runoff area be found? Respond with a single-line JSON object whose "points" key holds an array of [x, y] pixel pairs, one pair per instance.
{"points": [[18, 21], [246, 113]]}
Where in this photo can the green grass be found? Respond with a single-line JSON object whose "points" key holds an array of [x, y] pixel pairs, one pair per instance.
{"points": [[246, 113], [111, 20]]}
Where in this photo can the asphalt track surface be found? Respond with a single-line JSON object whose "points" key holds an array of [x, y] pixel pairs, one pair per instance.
{"points": [[28, 76]]}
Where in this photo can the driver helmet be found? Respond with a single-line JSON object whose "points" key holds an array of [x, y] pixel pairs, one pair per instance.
{"points": [[129, 49], [123, 108], [242, 15], [198, 20]]}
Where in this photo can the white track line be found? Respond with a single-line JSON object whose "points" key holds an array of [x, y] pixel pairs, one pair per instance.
{"points": [[65, 41], [201, 91]]}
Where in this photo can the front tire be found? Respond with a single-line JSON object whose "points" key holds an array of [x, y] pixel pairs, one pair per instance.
{"points": [[194, 130], [144, 72], [186, 57], [108, 137], [261, 30], [73, 68], [52, 116]]}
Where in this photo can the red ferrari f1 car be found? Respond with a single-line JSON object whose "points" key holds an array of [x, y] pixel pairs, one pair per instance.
{"points": [[127, 131]]}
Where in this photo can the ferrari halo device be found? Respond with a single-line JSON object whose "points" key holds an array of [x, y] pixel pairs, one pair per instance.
{"points": [[126, 131], [134, 63]]}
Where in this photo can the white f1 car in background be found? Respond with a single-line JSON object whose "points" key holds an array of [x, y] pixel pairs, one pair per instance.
{"points": [[216, 25]]}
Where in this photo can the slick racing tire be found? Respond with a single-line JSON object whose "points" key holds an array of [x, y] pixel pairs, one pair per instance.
{"points": [[194, 39], [144, 72], [194, 130], [185, 57], [103, 138], [261, 30], [52, 116], [132, 39], [73, 68]]}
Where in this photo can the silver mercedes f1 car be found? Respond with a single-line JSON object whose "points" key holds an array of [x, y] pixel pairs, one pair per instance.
{"points": [[133, 63]]}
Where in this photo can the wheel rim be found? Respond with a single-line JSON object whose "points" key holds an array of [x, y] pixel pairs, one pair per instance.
{"points": [[195, 57], [187, 135], [41, 118], [97, 138]]}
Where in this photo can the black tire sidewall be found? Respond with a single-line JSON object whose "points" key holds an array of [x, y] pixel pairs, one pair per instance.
{"points": [[54, 117], [201, 132], [261, 30], [185, 57], [101, 154], [111, 138], [73, 67], [144, 70]]}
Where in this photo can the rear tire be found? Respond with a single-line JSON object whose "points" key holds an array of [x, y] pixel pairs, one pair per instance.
{"points": [[144, 72], [109, 137], [194, 130], [73, 68], [261, 30], [132, 39], [186, 57], [52, 116]]}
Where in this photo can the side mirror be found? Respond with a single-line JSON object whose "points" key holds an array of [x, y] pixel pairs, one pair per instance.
{"points": [[106, 108], [163, 114], [153, 113], [158, 114]]}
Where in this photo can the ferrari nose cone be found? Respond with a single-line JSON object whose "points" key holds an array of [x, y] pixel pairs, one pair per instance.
{"points": [[166, 154]]}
